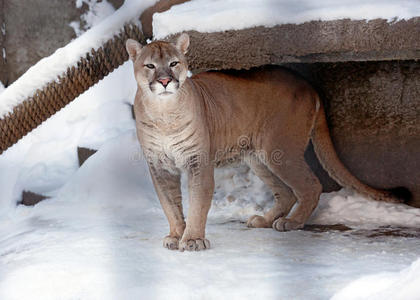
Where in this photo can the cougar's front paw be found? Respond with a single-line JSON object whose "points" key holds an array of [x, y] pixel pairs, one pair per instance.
{"points": [[257, 222], [194, 244], [171, 242], [283, 224]]}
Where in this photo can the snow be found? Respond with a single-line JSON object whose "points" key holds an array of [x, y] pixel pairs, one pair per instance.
{"points": [[46, 157], [96, 13], [334, 208], [401, 285], [99, 235], [49, 68], [220, 15], [100, 238]]}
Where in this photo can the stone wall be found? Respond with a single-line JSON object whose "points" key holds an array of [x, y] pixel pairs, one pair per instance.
{"points": [[3, 71], [310, 42], [373, 110], [33, 30]]}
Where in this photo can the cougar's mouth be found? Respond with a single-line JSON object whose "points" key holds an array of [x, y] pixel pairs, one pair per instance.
{"points": [[165, 93]]}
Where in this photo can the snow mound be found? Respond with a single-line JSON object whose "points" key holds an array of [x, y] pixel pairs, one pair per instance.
{"points": [[403, 285], [220, 15], [47, 157], [347, 207]]}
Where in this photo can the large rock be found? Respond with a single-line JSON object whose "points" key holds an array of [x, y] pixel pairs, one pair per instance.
{"points": [[310, 42], [35, 29], [3, 71], [146, 17], [373, 109]]}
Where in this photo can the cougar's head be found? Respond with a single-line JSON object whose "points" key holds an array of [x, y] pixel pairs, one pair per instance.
{"points": [[160, 67]]}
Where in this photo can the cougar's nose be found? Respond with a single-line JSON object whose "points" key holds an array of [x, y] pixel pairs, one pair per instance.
{"points": [[164, 81]]}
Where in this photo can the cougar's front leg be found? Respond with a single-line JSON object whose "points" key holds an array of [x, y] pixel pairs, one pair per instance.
{"points": [[168, 189], [200, 190]]}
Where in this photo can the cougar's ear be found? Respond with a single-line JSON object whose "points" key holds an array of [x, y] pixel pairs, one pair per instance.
{"points": [[133, 48], [183, 42]]}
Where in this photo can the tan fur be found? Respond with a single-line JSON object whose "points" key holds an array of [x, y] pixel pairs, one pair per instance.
{"points": [[264, 117]]}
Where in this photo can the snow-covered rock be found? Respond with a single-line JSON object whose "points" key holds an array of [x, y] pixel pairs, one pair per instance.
{"points": [[220, 15]]}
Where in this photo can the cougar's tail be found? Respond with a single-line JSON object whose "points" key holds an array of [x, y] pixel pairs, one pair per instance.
{"points": [[329, 160]]}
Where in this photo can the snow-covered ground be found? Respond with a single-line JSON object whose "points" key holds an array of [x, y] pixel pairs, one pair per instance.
{"points": [[99, 235]]}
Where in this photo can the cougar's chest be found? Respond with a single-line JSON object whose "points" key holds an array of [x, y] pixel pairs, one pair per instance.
{"points": [[171, 144]]}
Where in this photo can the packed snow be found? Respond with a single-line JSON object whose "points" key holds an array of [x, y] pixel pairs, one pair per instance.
{"points": [[220, 15], [335, 208], [99, 235]]}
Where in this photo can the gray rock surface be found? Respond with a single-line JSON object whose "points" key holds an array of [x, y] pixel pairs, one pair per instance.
{"points": [[35, 29], [3, 71], [373, 109], [310, 42]]}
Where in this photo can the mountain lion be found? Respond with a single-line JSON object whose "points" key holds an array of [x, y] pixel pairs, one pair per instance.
{"points": [[264, 117]]}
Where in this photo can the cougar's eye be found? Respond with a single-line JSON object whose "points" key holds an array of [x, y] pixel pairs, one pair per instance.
{"points": [[150, 66], [173, 64]]}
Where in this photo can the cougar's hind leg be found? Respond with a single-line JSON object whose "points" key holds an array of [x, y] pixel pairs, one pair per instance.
{"points": [[295, 172], [284, 139], [284, 199]]}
